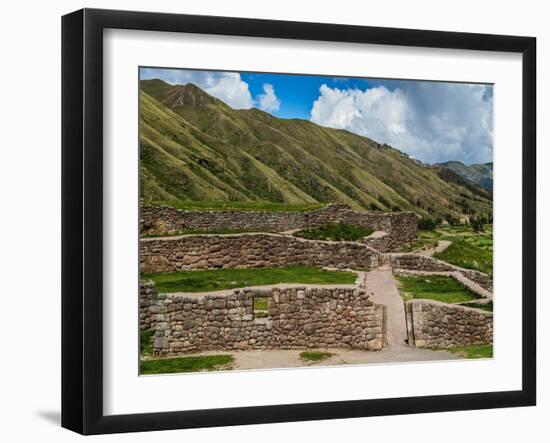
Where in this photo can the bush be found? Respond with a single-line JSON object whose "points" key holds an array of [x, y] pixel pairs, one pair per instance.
{"points": [[453, 221], [428, 224], [477, 224]]}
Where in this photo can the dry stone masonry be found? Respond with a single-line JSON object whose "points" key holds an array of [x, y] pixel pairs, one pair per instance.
{"points": [[400, 227], [250, 251], [147, 297], [436, 325], [417, 262], [297, 318]]}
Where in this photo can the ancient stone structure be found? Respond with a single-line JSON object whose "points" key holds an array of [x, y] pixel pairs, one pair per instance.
{"points": [[418, 262], [436, 325], [400, 227], [250, 251], [296, 318], [147, 297]]}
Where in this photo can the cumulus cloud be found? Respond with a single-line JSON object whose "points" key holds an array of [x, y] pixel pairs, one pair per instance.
{"points": [[227, 86], [268, 101], [433, 122]]}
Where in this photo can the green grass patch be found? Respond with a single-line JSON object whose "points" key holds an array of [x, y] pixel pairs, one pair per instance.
{"points": [[476, 351], [465, 254], [484, 306], [335, 232], [216, 279], [434, 287], [146, 342], [185, 364], [315, 355], [203, 231], [236, 206]]}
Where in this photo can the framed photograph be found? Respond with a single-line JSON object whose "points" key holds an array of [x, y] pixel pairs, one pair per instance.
{"points": [[269, 221]]}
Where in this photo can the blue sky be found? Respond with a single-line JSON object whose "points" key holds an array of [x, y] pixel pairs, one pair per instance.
{"points": [[298, 92], [431, 121]]}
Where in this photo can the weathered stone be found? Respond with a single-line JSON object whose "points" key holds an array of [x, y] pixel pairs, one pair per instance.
{"points": [[293, 322]]}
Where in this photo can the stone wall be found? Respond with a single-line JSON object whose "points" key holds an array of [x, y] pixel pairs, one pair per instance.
{"points": [[147, 296], [250, 251], [436, 325], [402, 227], [418, 262], [297, 318]]}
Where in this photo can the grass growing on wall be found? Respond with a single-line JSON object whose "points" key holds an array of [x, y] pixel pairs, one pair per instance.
{"points": [[484, 306], [212, 280], [434, 287], [222, 231], [185, 364], [236, 205], [335, 232]]}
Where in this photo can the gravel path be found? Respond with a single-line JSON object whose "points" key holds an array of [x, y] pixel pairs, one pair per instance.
{"points": [[381, 283]]}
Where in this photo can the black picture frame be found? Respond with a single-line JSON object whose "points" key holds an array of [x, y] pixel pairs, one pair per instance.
{"points": [[82, 218]]}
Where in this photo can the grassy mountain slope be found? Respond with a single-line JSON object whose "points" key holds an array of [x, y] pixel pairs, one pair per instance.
{"points": [[480, 174], [450, 176], [195, 147]]}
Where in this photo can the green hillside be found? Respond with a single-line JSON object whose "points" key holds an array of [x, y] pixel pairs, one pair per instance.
{"points": [[480, 174], [196, 148]]}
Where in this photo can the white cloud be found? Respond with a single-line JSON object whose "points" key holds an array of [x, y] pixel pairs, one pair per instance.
{"points": [[268, 101], [433, 122], [227, 86]]}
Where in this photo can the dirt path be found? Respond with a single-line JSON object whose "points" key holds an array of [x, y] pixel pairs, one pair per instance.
{"points": [[290, 358], [441, 246], [381, 283]]}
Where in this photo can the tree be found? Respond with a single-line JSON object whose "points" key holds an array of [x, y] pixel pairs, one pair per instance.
{"points": [[429, 224], [477, 224]]}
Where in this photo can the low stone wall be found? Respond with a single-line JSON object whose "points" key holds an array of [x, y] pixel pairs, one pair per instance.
{"points": [[297, 318], [402, 227], [381, 241], [250, 251], [418, 262], [436, 325], [147, 296]]}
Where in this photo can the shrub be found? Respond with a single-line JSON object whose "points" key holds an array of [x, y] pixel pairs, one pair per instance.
{"points": [[429, 224], [477, 224], [453, 221]]}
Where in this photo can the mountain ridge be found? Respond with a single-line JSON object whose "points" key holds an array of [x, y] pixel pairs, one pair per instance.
{"points": [[195, 147], [478, 173]]}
